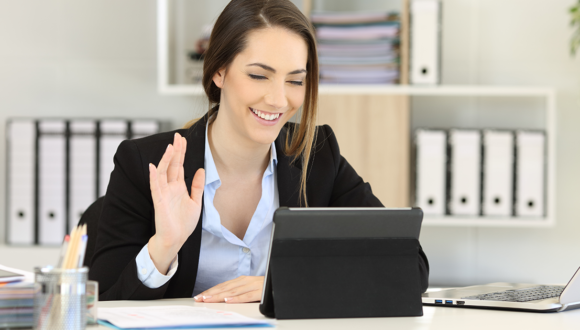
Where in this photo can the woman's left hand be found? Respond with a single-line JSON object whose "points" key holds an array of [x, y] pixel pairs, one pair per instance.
{"points": [[240, 290]]}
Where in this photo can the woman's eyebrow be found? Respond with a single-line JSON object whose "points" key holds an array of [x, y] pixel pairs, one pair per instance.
{"points": [[269, 68]]}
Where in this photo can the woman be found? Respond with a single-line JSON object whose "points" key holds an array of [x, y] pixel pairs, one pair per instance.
{"points": [[240, 162]]}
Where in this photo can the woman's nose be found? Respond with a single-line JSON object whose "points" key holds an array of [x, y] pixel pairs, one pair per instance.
{"points": [[277, 97]]}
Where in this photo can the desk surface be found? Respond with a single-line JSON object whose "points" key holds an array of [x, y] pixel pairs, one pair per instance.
{"points": [[434, 318]]}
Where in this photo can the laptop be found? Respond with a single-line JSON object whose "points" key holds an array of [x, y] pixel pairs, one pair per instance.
{"points": [[511, 296]]}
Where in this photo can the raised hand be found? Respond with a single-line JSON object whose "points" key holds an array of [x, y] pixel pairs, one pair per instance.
{"points": [[176, 211]]}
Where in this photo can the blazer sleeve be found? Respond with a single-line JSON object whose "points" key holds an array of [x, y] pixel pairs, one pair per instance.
{"points": [[125, 226], [350, 190]]}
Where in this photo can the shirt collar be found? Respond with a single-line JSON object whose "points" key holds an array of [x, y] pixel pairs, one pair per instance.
{"points": [[211, 174]]}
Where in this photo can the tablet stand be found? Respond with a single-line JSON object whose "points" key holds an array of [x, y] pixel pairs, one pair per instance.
{"points": [[352, 277]]}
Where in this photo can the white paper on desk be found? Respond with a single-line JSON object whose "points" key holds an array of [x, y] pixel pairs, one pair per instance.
{"points": [[173, 316], [28, 276]]}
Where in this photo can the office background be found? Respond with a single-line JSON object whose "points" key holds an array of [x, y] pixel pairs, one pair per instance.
{"points": [[65, 58]]}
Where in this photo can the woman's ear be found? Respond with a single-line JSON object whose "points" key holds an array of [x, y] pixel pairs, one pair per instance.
{"points": [[218, 78]]}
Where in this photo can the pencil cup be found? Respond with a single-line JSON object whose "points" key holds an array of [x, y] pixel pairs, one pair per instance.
{"points": [[61, 301], [92, 300]]}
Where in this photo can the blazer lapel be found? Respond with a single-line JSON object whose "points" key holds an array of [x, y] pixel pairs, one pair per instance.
{"points": [[288, 174], [183, 281]]}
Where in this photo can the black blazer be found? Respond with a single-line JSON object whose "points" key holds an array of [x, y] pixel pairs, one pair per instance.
{"points": [[127, 218]]}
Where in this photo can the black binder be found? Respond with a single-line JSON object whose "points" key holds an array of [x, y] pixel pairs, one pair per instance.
{"points": [[337, 263]]}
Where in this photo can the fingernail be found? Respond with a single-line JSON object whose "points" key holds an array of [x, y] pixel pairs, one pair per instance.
{"points": [[206, 297], [168, 146], [226, 299], [196, 297]]}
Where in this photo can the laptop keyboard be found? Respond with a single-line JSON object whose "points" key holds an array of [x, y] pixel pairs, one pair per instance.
{"points": [[522, 295]]}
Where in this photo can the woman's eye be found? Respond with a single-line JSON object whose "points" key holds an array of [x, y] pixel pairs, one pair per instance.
{"points": [[293, 82], [253, 76]]}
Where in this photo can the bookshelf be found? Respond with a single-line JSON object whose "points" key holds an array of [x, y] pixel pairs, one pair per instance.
{"points": [[380, 149], [167, 44]]}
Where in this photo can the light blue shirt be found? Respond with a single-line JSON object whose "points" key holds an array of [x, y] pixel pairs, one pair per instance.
{"points": [[223, 256]]}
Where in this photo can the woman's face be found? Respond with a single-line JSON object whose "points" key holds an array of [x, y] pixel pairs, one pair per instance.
{"points": [[264, 85]]}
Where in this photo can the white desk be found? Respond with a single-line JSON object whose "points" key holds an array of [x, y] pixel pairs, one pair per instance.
{"points": [[434, 318]]}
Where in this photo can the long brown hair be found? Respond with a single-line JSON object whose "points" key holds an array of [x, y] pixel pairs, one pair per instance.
{"points": [[229, 38]]}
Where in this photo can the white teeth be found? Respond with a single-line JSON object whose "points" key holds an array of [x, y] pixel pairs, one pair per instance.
{"points": [[264, 115]]}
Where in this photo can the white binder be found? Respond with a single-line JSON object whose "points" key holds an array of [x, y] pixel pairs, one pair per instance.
{"points": [[51, 181], [112, 133], [21, 181], [530, 173], [425, 41], [498, 173], [431, 171], [143, 128], [464, 198], [82, 168]]}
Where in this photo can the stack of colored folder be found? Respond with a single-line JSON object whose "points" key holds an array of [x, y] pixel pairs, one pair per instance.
{"points": [[358, 47], [16, 305]]}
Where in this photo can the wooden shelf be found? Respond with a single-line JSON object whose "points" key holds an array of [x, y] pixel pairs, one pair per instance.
{"points": [[457, 221], [410, 90], [181, 89], [438, 90]]}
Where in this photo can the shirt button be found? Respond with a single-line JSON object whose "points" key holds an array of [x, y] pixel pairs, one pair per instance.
{"points": [[246, 250], [143, 271]]}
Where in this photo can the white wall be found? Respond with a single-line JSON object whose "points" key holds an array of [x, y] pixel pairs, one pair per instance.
{"points": [[75, 58], [97, 58], [510, 42]]}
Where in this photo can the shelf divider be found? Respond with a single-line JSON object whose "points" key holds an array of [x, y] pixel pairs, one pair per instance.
{"points": [[456, 221]]}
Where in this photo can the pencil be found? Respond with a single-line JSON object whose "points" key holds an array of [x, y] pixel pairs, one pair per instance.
{"points": [[63, 250], [82, 249], [68, 250], [75, 249], [82, 245]]}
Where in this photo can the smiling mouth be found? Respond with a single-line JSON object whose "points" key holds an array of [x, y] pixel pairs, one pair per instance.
{"points": [[264, 115]]}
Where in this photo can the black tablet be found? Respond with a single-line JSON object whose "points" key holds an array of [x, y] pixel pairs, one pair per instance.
{"points": [[315, 229]]}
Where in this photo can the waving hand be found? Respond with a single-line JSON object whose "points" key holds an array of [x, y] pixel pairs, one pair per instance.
{"points": [[176, 212]]}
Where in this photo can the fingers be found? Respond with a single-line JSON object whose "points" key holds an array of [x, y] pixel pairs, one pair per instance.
{"points": [[176, 161], [171, 169], [181, 175], [252, 296], [163, 165], [246, 293], [197, 185], [154, 184], [241, 289]]}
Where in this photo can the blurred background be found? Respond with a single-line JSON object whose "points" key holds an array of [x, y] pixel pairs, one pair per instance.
{"points": [[103, 59]]}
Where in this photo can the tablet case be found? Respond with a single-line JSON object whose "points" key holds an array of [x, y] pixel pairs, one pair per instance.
{"points": [[342, 277]]}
